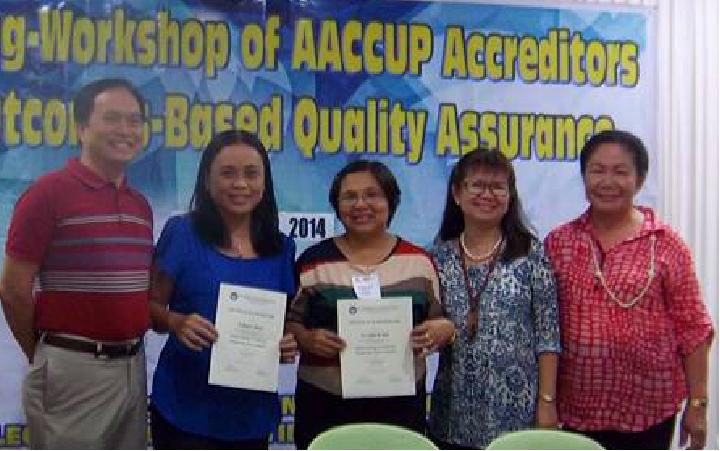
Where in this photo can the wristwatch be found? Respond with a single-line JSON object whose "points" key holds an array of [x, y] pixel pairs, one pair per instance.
{"points": [[547, 398], [698, 402]]}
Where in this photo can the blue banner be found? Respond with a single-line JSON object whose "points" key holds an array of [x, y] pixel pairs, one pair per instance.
{"points": [[322, 82]]}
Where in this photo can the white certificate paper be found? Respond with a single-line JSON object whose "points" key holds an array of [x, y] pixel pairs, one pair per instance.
{"points": [[378, 358], [249, 322]]}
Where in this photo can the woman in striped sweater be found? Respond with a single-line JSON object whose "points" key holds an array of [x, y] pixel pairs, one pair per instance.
{"points": [[365, 196]]}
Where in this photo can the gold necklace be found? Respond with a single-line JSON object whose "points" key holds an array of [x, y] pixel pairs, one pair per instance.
{"points": [[650, 274], [479, 257]]}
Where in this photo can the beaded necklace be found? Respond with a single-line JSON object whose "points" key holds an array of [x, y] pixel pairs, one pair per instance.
{"points": [[601, 277], [478, 257]]}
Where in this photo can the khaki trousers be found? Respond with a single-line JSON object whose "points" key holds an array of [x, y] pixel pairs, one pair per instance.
{"points": [[76, 400]]}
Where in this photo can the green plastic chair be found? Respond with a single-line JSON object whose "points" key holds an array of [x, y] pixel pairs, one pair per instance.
{"points": [[370, 436], [543, 439]]}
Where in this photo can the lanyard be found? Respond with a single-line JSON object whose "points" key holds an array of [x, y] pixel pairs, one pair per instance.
{"points": [[473, 296]]}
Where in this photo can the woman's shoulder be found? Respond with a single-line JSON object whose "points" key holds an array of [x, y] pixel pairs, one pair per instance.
{"points": [[443, 251], [410, 252], [536, 248], [323, 250], [563, 230], [176, 248], [441, 248], [407, 247], [537, 256], [670, 240], [288, 243], [178, 226], [179, 220], [566, 233], [665, 232]]}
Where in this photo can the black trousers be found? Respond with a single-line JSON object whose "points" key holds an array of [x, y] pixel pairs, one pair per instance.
{"points": [[657, 437], [167, 436], [317, 411]]}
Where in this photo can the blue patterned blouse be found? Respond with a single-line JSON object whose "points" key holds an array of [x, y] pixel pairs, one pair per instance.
{"points": [[489, 385]]}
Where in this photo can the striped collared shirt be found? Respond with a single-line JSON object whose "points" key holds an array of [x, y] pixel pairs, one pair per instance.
{"points": [[93, 243]]}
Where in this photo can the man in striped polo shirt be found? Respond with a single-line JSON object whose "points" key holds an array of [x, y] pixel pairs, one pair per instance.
{"points": [[75, 283]]}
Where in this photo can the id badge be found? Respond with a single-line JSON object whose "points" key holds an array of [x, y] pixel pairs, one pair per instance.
{"points": [[366, 286]]}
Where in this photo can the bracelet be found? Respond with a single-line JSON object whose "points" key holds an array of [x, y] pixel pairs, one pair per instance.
{"points": [[547, 398], [698, 402]]}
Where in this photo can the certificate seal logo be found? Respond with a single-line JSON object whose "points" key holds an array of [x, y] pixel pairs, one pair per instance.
{"points": [[352, 310]]}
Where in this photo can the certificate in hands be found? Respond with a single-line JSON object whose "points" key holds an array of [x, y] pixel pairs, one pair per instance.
{"points": [[378, 358], [249, 322]]}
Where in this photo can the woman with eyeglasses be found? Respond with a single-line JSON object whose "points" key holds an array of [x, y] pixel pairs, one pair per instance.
{"points": [[364, 195], [497, 288], [635, 329], [230, 236]]}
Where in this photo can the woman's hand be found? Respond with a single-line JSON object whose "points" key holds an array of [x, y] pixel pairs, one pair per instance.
{"points": [[546, 416], [431, 335], [321, 342], [192, 330], [288, 348], [694, 426]]}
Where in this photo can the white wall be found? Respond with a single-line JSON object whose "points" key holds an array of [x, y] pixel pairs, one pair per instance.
{"points": [[688, 129]]}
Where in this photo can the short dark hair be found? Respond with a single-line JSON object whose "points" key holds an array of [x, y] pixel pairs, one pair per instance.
{"points": [[382, 174], [518, 236], [84, 100], [631, 143], [264, 231]]}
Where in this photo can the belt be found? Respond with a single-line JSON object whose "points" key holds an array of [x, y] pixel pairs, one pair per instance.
{"points": [[99, 349]]}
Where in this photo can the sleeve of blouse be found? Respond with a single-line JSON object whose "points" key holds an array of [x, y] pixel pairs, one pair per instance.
{"points": [[170, 250], [436, 309], [544, 301], [685, 305], [290, 279], [437, 264], [298, 306], [550, 248]]}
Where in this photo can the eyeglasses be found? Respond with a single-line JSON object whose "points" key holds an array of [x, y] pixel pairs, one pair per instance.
{"points": [[133, 120], [369, 197], [477, 187]]}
